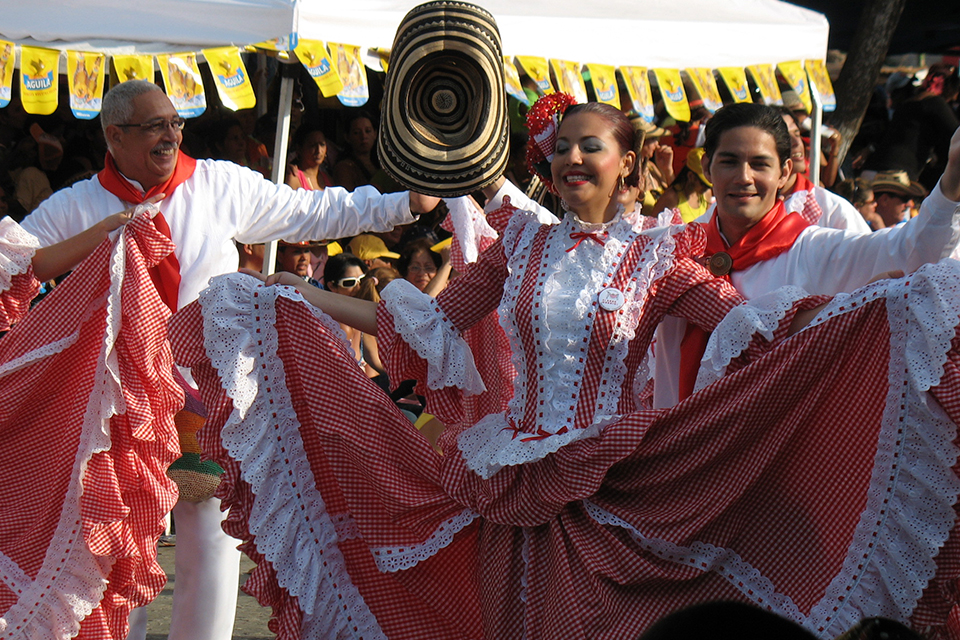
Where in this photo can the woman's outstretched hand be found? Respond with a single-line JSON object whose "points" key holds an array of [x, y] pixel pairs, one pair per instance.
{"points": [[54, 260], [117, 220], [281, 277]]}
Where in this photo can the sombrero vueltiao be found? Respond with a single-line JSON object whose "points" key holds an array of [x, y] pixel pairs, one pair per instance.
{"points": [[444, 130]]}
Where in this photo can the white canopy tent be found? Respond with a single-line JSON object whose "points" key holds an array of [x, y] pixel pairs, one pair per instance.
{"points": [[673, 34], [653, 33]]}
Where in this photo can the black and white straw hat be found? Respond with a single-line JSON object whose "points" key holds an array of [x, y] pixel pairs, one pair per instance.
{"points": [[444, 128]]}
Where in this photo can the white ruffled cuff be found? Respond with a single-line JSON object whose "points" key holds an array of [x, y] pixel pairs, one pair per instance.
{"points": [[469, 225], [17, 248], [738, 328], [426, 329]]}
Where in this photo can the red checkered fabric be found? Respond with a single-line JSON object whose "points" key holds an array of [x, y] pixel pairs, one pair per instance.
{"points": [[87, 492], [15, 301], [486, 339], [778, 485], [811, 211]]}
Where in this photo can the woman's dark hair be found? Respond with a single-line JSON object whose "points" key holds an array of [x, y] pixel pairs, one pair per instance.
{"points": [[348, 122], [681, 138], [855, 190], [337, 265], [621, 128], [356, 115], [748, 114], [301, 134], [413, 248], [787, 113], [303, 131], [376, 280]]}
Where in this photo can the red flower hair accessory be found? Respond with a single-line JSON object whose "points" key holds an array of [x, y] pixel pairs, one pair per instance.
{"points": [[543, 121]]}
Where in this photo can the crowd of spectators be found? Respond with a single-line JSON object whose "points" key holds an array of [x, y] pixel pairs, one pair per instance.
{"points": [[900, 149]]}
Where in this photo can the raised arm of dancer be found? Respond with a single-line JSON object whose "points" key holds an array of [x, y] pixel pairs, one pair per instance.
{"points": [[359, 314], [56, 259]]}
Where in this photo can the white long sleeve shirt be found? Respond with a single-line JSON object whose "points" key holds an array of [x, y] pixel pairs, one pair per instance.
{"points": [[222, 202], [826, 261]]}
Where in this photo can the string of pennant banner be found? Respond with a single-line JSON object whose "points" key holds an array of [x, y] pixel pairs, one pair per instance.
{"points": [[338, 70]]}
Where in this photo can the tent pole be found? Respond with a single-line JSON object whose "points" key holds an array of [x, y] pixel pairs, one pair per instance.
{"points": [[261, 88], [815, 130], [289, 74]]}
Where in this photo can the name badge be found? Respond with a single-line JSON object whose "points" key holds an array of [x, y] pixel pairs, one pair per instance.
{"points": [[611, 299]]}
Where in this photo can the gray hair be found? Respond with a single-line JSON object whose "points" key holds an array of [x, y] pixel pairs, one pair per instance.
{"points": [[117, 105]]}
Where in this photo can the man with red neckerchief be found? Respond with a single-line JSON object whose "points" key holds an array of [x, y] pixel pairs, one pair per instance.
{"points": [[207, 205], [759, 245], [816, 204]]}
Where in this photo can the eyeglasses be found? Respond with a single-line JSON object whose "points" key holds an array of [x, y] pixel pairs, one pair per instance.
{"points": [[418, 268], [349, 283], [157, 127]]}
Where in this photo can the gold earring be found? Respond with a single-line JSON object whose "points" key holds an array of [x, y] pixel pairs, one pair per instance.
{"points": [[621, 187]]}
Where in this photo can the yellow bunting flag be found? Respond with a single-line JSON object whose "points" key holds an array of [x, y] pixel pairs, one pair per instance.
{"points": [[569, 80], [706, 86], [352, 73], [819, 77], [736, 81], [539, 72], [39, 80], [315, 59], [230, 77], [511, 80], [604, 79], [379, 56], [289, 43], [766, 79], [637, 81], [673, 93], [797, 78], [8, 55], [133, 68], [85, 73], [184, 84]]}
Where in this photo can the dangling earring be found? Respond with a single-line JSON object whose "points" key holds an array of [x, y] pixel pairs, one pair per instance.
{"points": [[621, 187], [564, 205]]}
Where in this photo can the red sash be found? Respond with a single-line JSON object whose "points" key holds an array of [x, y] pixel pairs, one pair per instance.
{"points": [[772, 235], [802, 184], [166, 275]]}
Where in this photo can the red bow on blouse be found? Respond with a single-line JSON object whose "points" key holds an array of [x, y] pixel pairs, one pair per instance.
{"points": [[580, 236]]}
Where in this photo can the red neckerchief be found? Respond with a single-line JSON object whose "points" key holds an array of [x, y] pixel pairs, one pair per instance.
{"points": [[772, 235], [166, 274], [802, 184]]}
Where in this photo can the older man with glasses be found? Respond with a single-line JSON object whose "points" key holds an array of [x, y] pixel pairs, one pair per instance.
{"points": [[204, 206]]}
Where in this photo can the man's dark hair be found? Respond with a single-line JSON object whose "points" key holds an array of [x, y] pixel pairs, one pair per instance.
{"points": [[748, 114]]}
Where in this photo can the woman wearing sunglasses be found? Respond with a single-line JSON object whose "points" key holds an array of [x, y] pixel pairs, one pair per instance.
{"points": [[342, 274]]}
